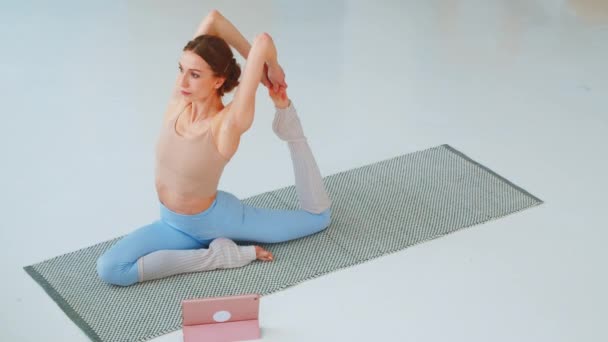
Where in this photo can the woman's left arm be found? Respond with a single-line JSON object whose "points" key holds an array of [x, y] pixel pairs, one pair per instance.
{"points": [[240, 116]]}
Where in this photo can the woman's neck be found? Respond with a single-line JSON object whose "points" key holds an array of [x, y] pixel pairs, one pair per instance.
{"points": [[206, 109]]}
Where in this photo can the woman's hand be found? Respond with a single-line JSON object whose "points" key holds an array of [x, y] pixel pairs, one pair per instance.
{"points": [[279, 98], [276, 76]]}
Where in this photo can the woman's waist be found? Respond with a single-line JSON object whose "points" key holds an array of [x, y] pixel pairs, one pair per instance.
{"points": [[186, 204]]}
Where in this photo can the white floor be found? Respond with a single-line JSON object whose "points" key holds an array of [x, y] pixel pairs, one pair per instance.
{"points": [[518, 85]]}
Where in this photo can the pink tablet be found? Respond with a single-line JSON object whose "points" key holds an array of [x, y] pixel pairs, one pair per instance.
{"points": [[221, 319]]}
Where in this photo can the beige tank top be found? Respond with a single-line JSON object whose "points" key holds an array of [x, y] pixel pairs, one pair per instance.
{"points": [[191, 167]]}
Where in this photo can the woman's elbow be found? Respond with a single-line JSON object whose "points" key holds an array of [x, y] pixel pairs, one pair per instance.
{"points": [[263, 38], [214, 14], [264, 45]]}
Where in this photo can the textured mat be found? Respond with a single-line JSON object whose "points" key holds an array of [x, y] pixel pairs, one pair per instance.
{"points": [[377, 209]]}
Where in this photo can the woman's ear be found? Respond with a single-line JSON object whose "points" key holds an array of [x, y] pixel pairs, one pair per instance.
{"points": [[219, 82]]}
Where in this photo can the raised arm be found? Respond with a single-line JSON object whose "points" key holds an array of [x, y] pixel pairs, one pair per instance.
{"points": [[261, 65], [240, 115], [217, 25]]}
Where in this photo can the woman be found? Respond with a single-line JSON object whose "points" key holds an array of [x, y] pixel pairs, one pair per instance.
{"points": [[199, 136]]}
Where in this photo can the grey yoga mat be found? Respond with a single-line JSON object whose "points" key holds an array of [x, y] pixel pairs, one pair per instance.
{"points": [[377, 209]]}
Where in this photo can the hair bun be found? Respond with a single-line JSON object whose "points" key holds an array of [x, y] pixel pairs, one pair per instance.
{"points": [[217, 53], [233, 72], [229, 66]]}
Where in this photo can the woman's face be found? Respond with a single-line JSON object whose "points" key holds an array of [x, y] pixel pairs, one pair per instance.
{"points": [[196, 77]]}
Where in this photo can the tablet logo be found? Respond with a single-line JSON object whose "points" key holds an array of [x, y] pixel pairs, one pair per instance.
{"points": [[221, 316]]}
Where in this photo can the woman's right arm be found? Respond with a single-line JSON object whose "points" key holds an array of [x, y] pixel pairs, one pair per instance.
{"points": [[176, 102], [216, 24]]}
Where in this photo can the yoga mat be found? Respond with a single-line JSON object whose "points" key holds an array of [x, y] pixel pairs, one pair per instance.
{"points": [[377, 209]]}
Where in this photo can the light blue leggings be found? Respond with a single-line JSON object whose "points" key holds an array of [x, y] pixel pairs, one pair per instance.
{"points": [[227, 217]]}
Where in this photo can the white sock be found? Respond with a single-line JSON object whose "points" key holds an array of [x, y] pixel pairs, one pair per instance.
{"points": [[222, 253], [309, 184]]}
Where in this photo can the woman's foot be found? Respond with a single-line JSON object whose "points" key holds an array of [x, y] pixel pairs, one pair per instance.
{"points": [[262, 254]]}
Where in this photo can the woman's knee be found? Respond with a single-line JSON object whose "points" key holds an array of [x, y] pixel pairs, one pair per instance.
{"points": [[112, 271], [322, 221]]}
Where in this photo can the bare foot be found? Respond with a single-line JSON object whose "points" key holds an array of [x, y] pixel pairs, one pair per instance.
{"points": [[262, 254]]}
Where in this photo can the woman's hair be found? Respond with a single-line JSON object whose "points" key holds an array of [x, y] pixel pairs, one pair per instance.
{"points": [[217, 53]]}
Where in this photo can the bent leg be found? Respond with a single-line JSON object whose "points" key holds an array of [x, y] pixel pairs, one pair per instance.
{"points": [[222, 253], [269, 225], [119, 266], [310, 189]]}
